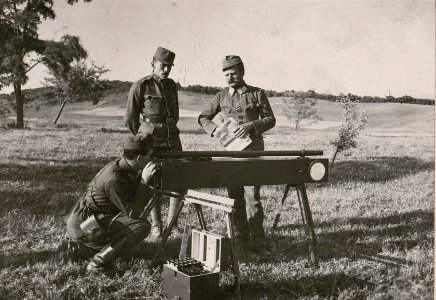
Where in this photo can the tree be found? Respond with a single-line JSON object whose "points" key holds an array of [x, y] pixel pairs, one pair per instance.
{"points": [[390, 99], [406, 99], [352, 123], [81, 83], [5, 107], [311, 94], [299, 109], [21, 49]]}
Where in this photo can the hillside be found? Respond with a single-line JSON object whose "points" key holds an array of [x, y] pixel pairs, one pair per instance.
{"points": [[383, 117]]}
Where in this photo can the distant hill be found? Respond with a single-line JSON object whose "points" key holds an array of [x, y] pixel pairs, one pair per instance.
{"points": [[38, 98], [40, 105], [44, 95]]}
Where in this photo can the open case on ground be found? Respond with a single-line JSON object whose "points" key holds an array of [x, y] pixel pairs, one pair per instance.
{"points": [[197, 277]]}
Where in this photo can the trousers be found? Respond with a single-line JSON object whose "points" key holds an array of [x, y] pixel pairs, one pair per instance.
{"points": [[249, 215], [122, 232], [156, 214]]}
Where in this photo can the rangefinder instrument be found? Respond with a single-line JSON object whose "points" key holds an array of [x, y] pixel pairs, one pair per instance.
{"points": [[201, 169], [190, 170]]}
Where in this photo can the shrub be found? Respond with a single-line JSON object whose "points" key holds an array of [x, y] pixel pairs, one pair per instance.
{"points": [[352, 123]]}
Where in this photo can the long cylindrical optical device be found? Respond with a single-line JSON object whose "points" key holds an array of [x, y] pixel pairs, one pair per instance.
{"points": [[238, 154]]}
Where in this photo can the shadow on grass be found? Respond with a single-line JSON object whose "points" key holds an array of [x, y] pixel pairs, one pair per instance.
{"points": [[328, 286], [144, 250], [371, 236], [148, 249], [378, 169], [45, 188], [28, 258]]}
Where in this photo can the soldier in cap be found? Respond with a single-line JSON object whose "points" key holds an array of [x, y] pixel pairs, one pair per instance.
{"points": [[105, 221], [250, 107], [155, 98]]}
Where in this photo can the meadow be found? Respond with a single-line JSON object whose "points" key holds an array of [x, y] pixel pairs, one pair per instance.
{"points": [[374, 218]]}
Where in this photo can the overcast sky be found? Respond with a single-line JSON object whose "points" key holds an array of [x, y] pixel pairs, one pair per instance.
{"points": [[362, 47]]}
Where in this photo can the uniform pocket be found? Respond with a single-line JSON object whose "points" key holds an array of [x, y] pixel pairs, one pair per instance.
{"points": [[248, 103], [249, 106], [171, 103], [226, 109], [152, 105]]}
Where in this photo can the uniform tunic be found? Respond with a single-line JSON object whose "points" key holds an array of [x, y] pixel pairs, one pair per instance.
{"points": [[157, 100], [247, 104]]}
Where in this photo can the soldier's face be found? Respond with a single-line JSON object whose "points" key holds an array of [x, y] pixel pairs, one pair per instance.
{"points": [[143, 160], [234, 76], [161, 69]]}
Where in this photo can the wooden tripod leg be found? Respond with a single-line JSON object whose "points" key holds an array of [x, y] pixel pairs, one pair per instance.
{"points": [[303, 218], [310, 226], [149, 206], [200, 216], [167, 233], [185, 237], [234, 256], [279, 209]]}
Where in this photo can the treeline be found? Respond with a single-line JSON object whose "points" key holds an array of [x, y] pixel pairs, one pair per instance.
{"points": [[117, 87], [363, 99], [209, 90]]}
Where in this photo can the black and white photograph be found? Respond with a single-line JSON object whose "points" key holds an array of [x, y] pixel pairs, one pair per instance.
{"points": [[217, 149]]}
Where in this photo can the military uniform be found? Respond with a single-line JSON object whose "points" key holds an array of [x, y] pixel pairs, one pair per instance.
{"points": [[105, 222], [157, 101], [110, 196], [246, 104]]}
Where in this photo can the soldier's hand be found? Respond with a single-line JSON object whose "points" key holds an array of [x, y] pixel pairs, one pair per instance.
{"points": [[243, 129], [148, 172]]}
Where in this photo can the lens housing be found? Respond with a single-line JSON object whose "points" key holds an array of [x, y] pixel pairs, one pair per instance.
{"points": [[317, 170]]}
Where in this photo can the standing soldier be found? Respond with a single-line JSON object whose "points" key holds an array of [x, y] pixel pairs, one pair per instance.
{"points": [[155, 97], [250, 107]]}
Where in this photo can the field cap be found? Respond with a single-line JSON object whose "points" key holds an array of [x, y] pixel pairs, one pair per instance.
{"points": [[140, 143], [165, 56], [231, 60]]}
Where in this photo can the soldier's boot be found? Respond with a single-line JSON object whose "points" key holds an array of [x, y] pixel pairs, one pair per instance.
{"points": [[156, 222], [174, 202], [101, 260]]}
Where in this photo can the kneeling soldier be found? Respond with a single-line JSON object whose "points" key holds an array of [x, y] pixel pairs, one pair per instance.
{"points": [[105, 220]]}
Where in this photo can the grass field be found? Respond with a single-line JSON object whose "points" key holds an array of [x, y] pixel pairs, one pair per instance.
{"points": [[374, 218]]}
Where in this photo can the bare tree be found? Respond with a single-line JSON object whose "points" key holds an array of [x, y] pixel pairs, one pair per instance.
{"points": [[81, 83]]}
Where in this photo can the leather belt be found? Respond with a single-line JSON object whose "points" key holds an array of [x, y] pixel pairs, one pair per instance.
{"points": [[154, 119]]}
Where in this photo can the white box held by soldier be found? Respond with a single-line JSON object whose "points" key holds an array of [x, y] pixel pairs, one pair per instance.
{"points": [[225, 133]]}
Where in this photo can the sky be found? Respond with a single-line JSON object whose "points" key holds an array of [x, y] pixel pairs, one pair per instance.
{"points": [[362, 47]]}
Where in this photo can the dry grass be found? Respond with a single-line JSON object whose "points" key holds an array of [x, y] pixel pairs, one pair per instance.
{"points": [[374, 220]]}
